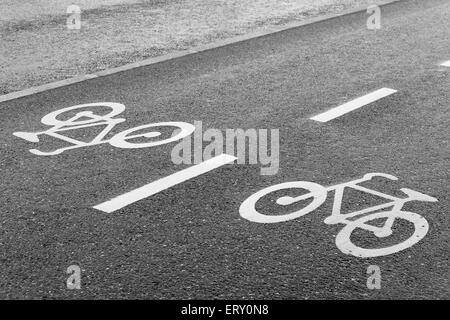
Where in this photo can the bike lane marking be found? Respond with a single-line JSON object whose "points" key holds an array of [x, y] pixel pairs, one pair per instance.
{"points": [[164, 183], [91, 120], [446, 64], [353, 105], [248, 210]]}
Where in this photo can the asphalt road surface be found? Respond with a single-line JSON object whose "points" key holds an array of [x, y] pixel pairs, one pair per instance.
{"points": [[189, 240]]}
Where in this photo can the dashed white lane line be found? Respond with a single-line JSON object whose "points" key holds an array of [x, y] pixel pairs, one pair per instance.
{"points": [[164, 183], [446, 64], [353, 105]]}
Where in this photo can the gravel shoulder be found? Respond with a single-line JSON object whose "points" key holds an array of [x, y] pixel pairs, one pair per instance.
{"points": [[37, 48]]}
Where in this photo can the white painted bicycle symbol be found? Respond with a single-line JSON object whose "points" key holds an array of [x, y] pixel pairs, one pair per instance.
{"points": [[318, 194], [68, 119]]}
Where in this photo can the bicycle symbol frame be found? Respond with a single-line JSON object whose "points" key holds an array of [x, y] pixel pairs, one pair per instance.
{"points": [[318, 193], [91, 120]]}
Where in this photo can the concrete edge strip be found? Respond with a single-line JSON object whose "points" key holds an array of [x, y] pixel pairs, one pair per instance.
{"points": [[170, 56]]}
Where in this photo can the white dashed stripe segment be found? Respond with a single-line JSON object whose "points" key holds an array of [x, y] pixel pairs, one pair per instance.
{"points": [[353, 105], [164, 183], [446, 64]]}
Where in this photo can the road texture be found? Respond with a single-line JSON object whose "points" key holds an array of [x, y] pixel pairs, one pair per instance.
{"points": [[189, 241]]}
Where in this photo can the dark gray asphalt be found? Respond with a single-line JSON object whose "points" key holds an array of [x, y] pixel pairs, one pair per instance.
{"points": [[189, 241]]}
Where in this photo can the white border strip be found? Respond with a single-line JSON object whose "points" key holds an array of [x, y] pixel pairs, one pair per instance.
{"points": [[45, 87], [164, 183], [213, 45], [446, 63], [353, 105]]}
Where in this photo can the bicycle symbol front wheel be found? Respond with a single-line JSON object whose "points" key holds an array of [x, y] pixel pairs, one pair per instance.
{"points": [[120, 139], [344, 243], [317, 192]]}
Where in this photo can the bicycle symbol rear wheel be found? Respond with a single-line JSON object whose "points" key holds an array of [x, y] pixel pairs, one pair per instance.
{"points": [[317, 192], [344, 243]]}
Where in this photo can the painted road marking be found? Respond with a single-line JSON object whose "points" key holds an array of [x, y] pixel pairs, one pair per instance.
{"points": [[84, 119], [164, 183], [446, 64], [353, 105], [354, 220]]}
